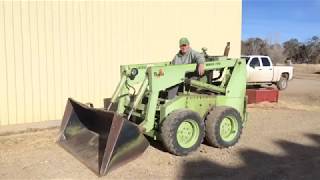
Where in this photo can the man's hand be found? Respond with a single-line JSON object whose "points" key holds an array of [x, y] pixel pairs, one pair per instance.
{"points": [[201, 69]]}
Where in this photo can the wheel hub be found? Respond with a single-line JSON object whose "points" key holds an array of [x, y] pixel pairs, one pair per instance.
{"points": [[187, 133], [228, 128]]}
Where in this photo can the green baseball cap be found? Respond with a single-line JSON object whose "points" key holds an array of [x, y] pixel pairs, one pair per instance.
{"points": [[184, 41]]}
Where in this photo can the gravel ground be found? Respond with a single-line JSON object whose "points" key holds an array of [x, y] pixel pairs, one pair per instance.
{"points": [[280, 141]]}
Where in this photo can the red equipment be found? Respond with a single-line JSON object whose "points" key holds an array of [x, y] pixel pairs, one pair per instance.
{"points": [[263, 94]]}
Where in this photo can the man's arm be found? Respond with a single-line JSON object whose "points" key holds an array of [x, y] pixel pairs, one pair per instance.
{"points": [[200, 61], [201, 69], [199, 58]]}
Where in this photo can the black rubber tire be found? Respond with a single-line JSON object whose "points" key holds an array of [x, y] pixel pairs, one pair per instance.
{"points": [[282, 83], [213, 121], [169, 127]]}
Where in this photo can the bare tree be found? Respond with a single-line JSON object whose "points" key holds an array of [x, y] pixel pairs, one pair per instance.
{"points": [[313, 49], [276, 52], [254, 46], [292, 49], [297, 52]]}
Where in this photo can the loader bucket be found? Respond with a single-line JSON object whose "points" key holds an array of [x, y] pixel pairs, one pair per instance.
{"points": [[100, 139]]}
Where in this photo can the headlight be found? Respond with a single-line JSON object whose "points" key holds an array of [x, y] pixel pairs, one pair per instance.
{"points": [[134, 72]]}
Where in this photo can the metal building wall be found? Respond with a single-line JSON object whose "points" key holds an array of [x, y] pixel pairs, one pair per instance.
{"points": [[50, 51]]}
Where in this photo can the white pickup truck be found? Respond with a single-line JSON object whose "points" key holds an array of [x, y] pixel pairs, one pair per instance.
{"points": [[260, 70]]}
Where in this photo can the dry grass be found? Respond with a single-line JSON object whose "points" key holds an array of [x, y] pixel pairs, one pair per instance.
{"points": [[307, 68]]}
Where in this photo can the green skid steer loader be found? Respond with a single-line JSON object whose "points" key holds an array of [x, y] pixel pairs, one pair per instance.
{"points": [[165, 102]]}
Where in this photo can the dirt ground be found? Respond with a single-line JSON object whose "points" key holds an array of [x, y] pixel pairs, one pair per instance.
{"points": [[280, 141]]}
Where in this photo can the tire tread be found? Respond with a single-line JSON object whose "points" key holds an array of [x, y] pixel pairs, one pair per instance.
{"points": [[213, 121], [170, 126]]}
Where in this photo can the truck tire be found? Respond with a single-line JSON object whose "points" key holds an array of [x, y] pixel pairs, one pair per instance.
{"points": [[282, 83], [182, 132], [223, 127]]}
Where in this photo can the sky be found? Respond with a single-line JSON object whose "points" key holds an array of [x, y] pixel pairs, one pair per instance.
{"points": [[280, 20]]}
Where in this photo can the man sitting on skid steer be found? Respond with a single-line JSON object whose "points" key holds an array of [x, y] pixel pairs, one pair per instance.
{"points": [[187, 55]]}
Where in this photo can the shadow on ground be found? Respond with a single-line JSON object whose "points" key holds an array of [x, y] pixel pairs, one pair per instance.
{"points": [[156, 144], [300, 162]]}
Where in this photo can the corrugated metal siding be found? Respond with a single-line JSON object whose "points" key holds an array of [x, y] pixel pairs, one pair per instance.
{"points": [[50, 51]]}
